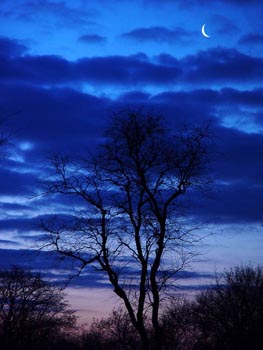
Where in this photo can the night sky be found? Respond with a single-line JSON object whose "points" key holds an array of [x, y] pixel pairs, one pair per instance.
{"points": [[65, 66]]}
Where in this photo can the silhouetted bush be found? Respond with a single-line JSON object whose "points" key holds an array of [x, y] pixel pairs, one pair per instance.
{"points": [[112, 333], [33, 313], [230, 316], [179, 331]]}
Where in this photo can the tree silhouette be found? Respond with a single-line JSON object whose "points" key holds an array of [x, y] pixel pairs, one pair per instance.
{"points": [[33, 313], [178, 325], [114, 332], [129, 223], [230, 316]]}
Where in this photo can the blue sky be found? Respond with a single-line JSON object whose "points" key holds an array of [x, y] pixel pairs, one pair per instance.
{"points": [[65, 65]]}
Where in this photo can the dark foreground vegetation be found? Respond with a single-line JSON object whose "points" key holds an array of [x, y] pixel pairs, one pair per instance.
{"points": [[228, 316], [33, 312]]}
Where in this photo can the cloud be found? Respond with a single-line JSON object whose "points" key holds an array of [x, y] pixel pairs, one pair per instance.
{"points": [[9, 257], [54, 120], [219, 65], [13, 206], [49, 264], [22, 225], [92, 38], [51, 267], [236, 196], [121, 70], [158, 34], [11, 47], [234, 203], [4, 242], [65, 15], [223, 24], [13, 183], [229, 107], [38, 69], [84, 116], [194, 3], [245, 2], [256, 39], [209, 97], [135, 97], [27, 229], [113, 70], [242, 156], [55, 116]]}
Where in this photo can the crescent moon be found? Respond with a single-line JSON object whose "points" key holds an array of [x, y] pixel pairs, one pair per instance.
{"points": [[204, 33]]}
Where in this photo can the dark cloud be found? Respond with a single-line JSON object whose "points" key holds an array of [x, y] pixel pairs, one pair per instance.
{"points": [[21, 225], [129, 70], [245, 2], [212, 98], [215, 65], [251, 39], [56, 117], [25, 224], [243, 97], [167, 60], [134, 97], [14, 206], [65, 15], [9, 257], [242, 155], [84, 116], [51, 267], [187, 3], [159, 34], [14, 183], [54, 120], [237, 189], [221, 65], [92, 38], [196, 106], [10, 47], [112, 70], [37, 70], [6, 241], [223, 24], [193, 274], [229, 203]]}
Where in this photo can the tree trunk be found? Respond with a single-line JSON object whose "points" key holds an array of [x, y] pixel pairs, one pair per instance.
{"points": [[158, 339], [144, 339]]}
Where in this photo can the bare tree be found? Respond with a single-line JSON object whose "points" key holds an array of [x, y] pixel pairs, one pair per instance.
{"points": [[113, 332], [178, 325], [33, 313], [230, 315], [129, 223]]}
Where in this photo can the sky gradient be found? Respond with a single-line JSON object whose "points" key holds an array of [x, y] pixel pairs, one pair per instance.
{"points": [[65, 66]]}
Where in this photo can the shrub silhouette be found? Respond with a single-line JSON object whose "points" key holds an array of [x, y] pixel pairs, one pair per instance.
{"points": [[230, 316], [33, 312]]}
